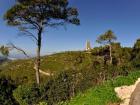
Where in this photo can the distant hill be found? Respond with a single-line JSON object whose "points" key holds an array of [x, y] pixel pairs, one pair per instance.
{"points": [[3, 59]]}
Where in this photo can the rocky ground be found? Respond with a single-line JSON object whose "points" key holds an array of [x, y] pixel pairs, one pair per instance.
{"points": [[129, 94], [135, 97]]}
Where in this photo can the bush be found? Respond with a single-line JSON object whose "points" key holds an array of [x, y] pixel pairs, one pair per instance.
{"points": [[68, 83], [27, 94], [6, 88], [42, 103], [104, 93], [60, 88]]}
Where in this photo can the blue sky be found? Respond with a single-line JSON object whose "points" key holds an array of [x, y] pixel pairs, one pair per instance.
{"points": [[97, 16]]}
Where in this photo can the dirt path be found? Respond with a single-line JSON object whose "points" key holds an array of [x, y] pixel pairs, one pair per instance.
{"points": [[44, 73], [135, 97]]}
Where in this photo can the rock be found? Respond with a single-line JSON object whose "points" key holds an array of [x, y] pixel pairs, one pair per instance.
{"points": [[124, 93], [135, 97]]}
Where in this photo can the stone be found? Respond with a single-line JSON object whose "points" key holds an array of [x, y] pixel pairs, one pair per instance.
{"points": [[125, 92]]}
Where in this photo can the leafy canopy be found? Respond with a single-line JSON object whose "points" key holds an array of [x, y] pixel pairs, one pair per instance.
{"points": [[30, 13], [106, 38], [4, 51], [137, 44]]}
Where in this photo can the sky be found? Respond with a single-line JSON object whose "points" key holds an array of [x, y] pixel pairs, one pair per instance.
{"points": [[96, 16]]}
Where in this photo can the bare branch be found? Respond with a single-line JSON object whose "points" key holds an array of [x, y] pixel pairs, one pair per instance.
{"points": [[11, 46], [25, 32]]}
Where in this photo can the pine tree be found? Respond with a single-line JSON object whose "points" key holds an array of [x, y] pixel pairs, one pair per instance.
{"points": [[107, 38], [33, 16]]}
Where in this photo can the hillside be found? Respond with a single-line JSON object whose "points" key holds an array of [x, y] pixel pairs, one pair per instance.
{"points": [[22, 70], [104, 94], [73, 73]]}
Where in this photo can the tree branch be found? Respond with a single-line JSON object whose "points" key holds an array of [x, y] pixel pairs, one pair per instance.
{"points": [[11, 46], [27, 33]]}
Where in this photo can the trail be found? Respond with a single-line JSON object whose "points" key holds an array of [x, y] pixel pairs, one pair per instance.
{"points": [[44, 73]]}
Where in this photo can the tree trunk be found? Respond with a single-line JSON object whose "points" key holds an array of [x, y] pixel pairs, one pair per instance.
{"points": [[38, 57], [110, 53]]}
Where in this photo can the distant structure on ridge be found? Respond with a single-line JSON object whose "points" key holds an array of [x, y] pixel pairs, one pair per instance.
{"points": [[88, 46]]}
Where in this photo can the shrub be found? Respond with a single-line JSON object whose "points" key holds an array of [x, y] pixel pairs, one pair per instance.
{"points": [[104, 93], [68, 83], [60, 88], [6, 88], [27, 94], [42, 103]]}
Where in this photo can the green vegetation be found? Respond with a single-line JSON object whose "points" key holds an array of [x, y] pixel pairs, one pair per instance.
{"points": [[22, 70], [73, 73], [135, 54], [6, 88], [4, 51], [104, 94], [36, 15], [27, 94], [74, 77], [107, 38]]}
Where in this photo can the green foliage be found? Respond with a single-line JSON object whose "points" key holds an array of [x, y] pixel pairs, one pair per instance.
{"points": [[60, 88], [103, 94], [33, 12], [6, 88], [38, 14], [42, 103], [21, 71], [81, 71], [106, 38], [27, 94], [136, 54], [4, 51], [137, 44], [68, 83]]}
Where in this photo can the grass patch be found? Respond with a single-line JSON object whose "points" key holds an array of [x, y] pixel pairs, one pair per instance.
{"points": [[104, 94]]}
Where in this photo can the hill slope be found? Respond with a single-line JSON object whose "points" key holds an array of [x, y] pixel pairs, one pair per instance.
{"points": [[22, 70], [104, 94]]}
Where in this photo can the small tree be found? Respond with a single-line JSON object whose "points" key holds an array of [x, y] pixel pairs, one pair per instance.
{"points": [[135, 55], [31, 15], [4, 51], [107, 38]]}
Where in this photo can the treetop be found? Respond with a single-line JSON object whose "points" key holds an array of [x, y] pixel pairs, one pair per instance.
{"points": [[107, 37], [46, 12]]}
